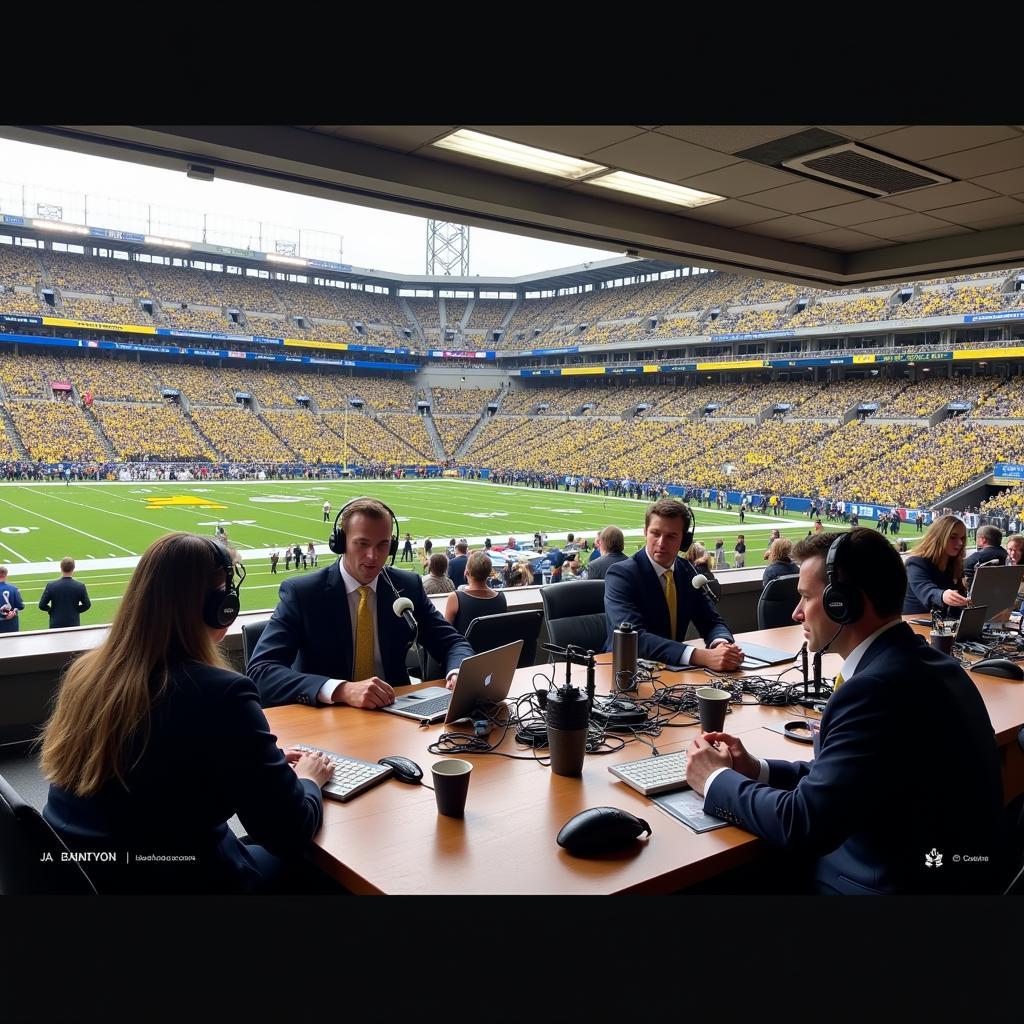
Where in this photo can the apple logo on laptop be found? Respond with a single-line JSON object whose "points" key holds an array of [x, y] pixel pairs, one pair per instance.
{"points": [[487, 679]]}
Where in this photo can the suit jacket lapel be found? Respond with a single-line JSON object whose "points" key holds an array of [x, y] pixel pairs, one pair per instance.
{"points": [[340, 619]]}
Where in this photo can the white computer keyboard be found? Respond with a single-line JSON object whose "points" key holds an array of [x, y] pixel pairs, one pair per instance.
{"points": [[653, 774], [351, 776]]}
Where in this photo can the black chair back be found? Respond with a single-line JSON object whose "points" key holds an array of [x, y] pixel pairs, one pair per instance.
{"points": [[31, 853], [490, 631], [777, 602], [251, 633], [575, 614]]}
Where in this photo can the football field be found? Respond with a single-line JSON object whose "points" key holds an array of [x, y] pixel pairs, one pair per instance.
{"points": [[105, 527]]}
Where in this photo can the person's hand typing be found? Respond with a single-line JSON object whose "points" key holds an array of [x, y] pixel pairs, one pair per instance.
{"points": [[954, 599], [450, 681], [365, 693], [314, 766]]}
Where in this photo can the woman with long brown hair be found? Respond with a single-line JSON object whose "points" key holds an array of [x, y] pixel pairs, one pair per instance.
{"points": [[936, 568], [155, 742]]}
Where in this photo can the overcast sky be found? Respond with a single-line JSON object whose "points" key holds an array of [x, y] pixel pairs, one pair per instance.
{"points": [[371, 238]]}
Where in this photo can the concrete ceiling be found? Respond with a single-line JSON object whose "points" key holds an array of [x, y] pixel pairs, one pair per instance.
{"points": [[774, 221]]}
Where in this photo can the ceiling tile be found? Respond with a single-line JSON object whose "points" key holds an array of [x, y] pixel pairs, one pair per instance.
{"points": [[787, 227], [404, 138], [803, 196], [860, 131], [729, 138], [732, 212], [1005, 182], [986, 210], [921, 142], [658, 156], [740, 179], [857, 213], [948, 230], [939, 196], [907, 224], [1013, 220], [1000, 156], [842, 239], [571, 139]]}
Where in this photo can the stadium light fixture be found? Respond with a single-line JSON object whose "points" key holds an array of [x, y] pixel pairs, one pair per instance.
{"points": [[168, 242], [652, 188], [487, 147], [292, 261], [59, 225]]}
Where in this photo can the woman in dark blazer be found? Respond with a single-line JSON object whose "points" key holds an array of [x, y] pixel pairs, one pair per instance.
{"points": [[780, 561], [936, 568], [155, 743]]}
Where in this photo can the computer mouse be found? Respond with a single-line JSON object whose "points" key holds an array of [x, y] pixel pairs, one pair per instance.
{"points": [[404, 769], [599, 829], [1002, 667]]}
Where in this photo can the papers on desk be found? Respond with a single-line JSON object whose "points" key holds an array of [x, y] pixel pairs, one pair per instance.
{"points": [[688, 807]]}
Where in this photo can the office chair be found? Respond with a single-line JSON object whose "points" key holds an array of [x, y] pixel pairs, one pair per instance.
{"points": [[490, 631], [251, 633], [25, 838], [575, 614], [777, 602]]}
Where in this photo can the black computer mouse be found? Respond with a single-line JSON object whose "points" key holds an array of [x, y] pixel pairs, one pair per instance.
{"points": [[1002, 667], [599, 829], [404, 769]]}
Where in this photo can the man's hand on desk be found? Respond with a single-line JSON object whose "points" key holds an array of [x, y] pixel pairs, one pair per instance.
{"points": [[722, 658], [716, 750], [365, 693], [450, 681]]}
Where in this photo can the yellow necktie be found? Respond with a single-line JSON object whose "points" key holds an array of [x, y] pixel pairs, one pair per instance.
{"points": [[364, 637], [838, 682], [670, 597]]}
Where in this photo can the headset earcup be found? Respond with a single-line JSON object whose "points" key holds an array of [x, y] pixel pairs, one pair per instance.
{"points": [[336, 542], [220, 608]]}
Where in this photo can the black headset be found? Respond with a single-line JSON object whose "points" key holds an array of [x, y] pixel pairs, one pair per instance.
{"points": [[337, 542], [221, 607], [842, 603], [687, 542]]}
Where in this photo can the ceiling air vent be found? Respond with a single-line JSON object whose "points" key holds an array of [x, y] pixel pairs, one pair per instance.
{"points": [[863, 169]]}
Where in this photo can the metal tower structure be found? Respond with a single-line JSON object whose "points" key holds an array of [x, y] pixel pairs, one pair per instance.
{"points": [[447, 249]]}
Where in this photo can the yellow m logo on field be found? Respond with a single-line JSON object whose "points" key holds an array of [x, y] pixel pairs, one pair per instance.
{"points": [[182, 501]]}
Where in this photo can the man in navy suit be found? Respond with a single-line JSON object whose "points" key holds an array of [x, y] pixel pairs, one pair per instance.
{"points": [[636, 591], [457, 565], [309, 653], [905, 792]]}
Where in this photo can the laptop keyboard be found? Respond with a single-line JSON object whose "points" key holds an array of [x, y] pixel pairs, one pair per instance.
{"points": [[653, 774], [431, 707], [351, 776]]}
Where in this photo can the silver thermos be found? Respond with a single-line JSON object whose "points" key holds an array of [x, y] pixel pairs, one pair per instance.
{"points": [[624, 651]]}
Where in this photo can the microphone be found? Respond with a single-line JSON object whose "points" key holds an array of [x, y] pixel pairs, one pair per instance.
{"points": [[701, 582], [403, 609]]}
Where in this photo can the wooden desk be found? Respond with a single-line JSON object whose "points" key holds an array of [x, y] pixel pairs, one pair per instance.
{"points": [[391, 839]]}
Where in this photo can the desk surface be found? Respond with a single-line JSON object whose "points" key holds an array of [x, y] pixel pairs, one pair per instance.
{"points": [[391, 839]]}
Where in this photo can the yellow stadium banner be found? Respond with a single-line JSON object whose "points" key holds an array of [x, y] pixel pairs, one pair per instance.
{"points": [[580, 371], [740, 364], [652, 368], [341, 346], [101, 325], [989, 353], [864, 359]]}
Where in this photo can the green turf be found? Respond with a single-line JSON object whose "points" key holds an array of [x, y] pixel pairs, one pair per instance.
{"points": [[40, 523]]}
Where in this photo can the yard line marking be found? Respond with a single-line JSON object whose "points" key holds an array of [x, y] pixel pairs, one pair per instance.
{"points": [[66, 526], [13, 552]]}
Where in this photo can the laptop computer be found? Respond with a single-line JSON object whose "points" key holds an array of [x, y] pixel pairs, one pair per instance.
{"points": [[483, 679], [995, 587], [972, 621], [755, 656]]}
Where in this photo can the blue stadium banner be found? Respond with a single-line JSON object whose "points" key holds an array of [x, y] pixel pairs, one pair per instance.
{"points": [[810, 361], [125, 236], [677, 368], [554, 372], [980, 318], [436, 353], [1009, 470], [343, 268], [753, 335], [549, 351], [267, 341], [10, 218], [35, 321], [618, 370]]}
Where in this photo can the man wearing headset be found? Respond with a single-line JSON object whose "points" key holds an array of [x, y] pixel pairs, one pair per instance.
{"points": [[334, 637], [904, 793], [654, 591]]}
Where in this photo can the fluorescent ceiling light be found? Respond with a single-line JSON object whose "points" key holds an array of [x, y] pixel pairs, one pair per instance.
{"points": [[489, 148], [651, 188]]}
